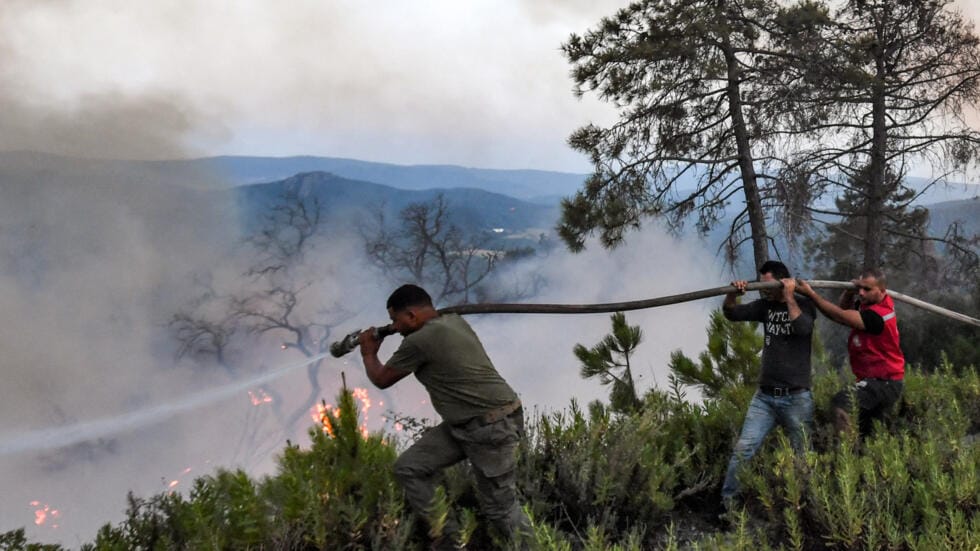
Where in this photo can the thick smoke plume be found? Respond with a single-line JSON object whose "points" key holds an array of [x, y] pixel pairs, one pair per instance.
{"points": [[93, 256]]}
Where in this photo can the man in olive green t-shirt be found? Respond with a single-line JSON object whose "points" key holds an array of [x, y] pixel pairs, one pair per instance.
{"points": [[482, 418]]}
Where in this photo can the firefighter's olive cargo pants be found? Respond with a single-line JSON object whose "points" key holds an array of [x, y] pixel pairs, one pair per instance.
{"points": [[491, 448]]}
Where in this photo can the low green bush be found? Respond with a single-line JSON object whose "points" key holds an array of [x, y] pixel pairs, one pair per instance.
{"points": [[337, 494], [595, 478]]}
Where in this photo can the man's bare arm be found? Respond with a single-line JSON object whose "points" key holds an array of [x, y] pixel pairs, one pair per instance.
{"points": [[379, 374], [850, 318], [789, 286], [731, 299]]}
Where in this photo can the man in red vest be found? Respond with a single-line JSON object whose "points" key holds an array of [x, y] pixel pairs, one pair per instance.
{"points": [[876, 358]]}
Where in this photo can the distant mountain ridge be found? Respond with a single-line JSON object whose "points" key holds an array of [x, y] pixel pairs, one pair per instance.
{"points": [[344, 201], [530, 185], [540, 186], [965, 211], [347, 202], [221, 172]]}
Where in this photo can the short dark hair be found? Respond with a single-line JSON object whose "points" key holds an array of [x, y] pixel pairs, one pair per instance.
{"points": [[774, 267], [878, 274], [407, 296]]}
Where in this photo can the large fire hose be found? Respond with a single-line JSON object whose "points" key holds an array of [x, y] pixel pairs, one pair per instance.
{"points": [[347, 344], [57, 437]]}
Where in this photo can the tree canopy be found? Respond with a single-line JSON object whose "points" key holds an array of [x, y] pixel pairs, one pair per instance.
{"points": [[771, 105]]}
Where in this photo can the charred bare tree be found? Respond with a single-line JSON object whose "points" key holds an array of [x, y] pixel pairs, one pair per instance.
{"points": [[289, 226], [427, 248], [204, 331], [274, 298]]}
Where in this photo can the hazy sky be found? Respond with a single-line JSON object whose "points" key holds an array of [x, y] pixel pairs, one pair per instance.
{"points": [[476, 83]]}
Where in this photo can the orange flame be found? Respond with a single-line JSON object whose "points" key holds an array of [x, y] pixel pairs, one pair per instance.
{"points": [[319, 412], [362, 395], [173, 483], [43, 513], [259, 397]]}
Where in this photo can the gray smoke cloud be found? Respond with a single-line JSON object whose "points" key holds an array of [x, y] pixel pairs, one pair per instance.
{"points": [[105, 122], [92, 259], [93, 256], [477, 84], [102, 125]]}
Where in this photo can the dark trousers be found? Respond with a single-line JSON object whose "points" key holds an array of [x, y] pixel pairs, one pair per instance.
{"points": [[492, 451], [875, 398]]}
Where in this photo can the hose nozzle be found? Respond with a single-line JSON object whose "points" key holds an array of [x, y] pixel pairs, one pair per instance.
{"points": [[352, 340]]}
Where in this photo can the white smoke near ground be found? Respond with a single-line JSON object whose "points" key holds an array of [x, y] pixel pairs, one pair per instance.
{"points": [[535, 351], [94, 256], [95, 259]]}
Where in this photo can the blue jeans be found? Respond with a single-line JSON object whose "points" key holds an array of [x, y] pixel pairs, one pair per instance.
{"points": [[793, 412]]}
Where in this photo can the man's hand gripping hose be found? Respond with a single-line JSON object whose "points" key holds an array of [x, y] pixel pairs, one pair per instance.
{"points": [[350, 342]]}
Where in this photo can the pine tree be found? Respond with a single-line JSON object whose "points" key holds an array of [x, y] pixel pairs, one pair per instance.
{"points": [[685, 78], [893, 81], [731, 360], [610, 355]]}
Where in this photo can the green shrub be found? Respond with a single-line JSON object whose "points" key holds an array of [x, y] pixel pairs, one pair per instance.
{"points": [[338, 494], [16, 540], [914, 485], [601, 479], [732, 359]]}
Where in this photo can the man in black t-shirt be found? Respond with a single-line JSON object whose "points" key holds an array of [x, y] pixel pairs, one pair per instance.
{"points": [[783, 396]]}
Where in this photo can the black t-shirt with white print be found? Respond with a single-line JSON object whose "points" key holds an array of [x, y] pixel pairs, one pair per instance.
{"points": [[786, 352]]}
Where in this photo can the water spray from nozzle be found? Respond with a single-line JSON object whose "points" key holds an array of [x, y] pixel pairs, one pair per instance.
{"points": [[352, 340]]}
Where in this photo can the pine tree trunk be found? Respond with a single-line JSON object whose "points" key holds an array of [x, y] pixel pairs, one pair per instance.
{"points": [[753, 200], [876, 182]]}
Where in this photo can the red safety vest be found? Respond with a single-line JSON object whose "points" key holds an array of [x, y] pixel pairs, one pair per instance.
{"points": [[877, 356]]}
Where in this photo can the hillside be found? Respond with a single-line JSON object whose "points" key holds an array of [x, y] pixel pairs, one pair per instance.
{"points": [[599, 479], [543, 187], [347, 202], [534, 185], [965, 211]]}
